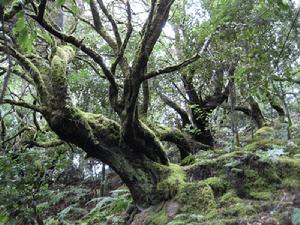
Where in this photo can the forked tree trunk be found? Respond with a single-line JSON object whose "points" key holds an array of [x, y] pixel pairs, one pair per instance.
{"points": [[130, 148], [99, 137]]}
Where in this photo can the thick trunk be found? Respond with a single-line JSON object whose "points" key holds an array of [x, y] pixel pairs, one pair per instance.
{"points": [[256, 113], [98, 136], [276, 106]]}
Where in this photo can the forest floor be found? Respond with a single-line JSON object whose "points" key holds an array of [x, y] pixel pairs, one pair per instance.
{"points": [[256, 184]]}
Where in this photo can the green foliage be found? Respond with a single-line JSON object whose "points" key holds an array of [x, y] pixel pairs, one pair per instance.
{"points": [[248, 34], [109, 208], [25, 35], [24, 186]]}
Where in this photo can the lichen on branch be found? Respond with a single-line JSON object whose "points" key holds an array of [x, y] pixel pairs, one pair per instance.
{"points": [[58, 70]]}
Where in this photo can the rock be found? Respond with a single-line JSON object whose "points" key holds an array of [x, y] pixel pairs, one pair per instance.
{"points": [[172, 208]]}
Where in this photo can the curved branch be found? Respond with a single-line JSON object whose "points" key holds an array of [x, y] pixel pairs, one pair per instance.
{"points": [[184, 116], [213, 101], [31, 68], [174, 136], [171, 69], [112, 21], [100, 28], [179, 66], [15, 135], [48, 144], [24, 105], [153, 27], [41, 11], [113, 90], [80, 45], [125, 42]]}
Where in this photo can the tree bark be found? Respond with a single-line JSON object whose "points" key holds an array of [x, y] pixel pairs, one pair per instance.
{"points": [[130, 148], [276, 106], [256, 113], [99, 137]]}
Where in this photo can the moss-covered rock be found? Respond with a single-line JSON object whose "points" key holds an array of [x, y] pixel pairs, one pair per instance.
{"points": [[173, 180], [158, 218], [263, 144], [289, 169], [232, 205], [230, 187], [196, 197], [188, 160], [264, 131], [218, 185], [261, 195]]}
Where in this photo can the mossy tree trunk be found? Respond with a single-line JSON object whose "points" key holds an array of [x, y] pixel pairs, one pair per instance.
{"points": [[276, 106], [129, 147], [256, 113], [199, 108]]}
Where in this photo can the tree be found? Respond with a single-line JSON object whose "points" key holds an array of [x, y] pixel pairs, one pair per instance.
{"points": [[127, 145], [52, 41]]}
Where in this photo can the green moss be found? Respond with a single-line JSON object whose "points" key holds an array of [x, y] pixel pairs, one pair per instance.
{"points": [[158, 218], [289, 167], [258, 182], [263, 144], [218, 185], [108, 130], [263, 195], [187, 219], [188, 160], [59, 64], [173, 180], [232, 205], [197, 198], [239, 209], [229, 198], [263, 131], [231, 155], [296, 141]]}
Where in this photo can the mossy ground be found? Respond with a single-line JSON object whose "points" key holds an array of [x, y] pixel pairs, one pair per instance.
{"points": [[257, 183], [246, 185]]}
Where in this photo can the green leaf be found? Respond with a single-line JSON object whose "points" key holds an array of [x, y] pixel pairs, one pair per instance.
{"points": [[45, 36]]}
